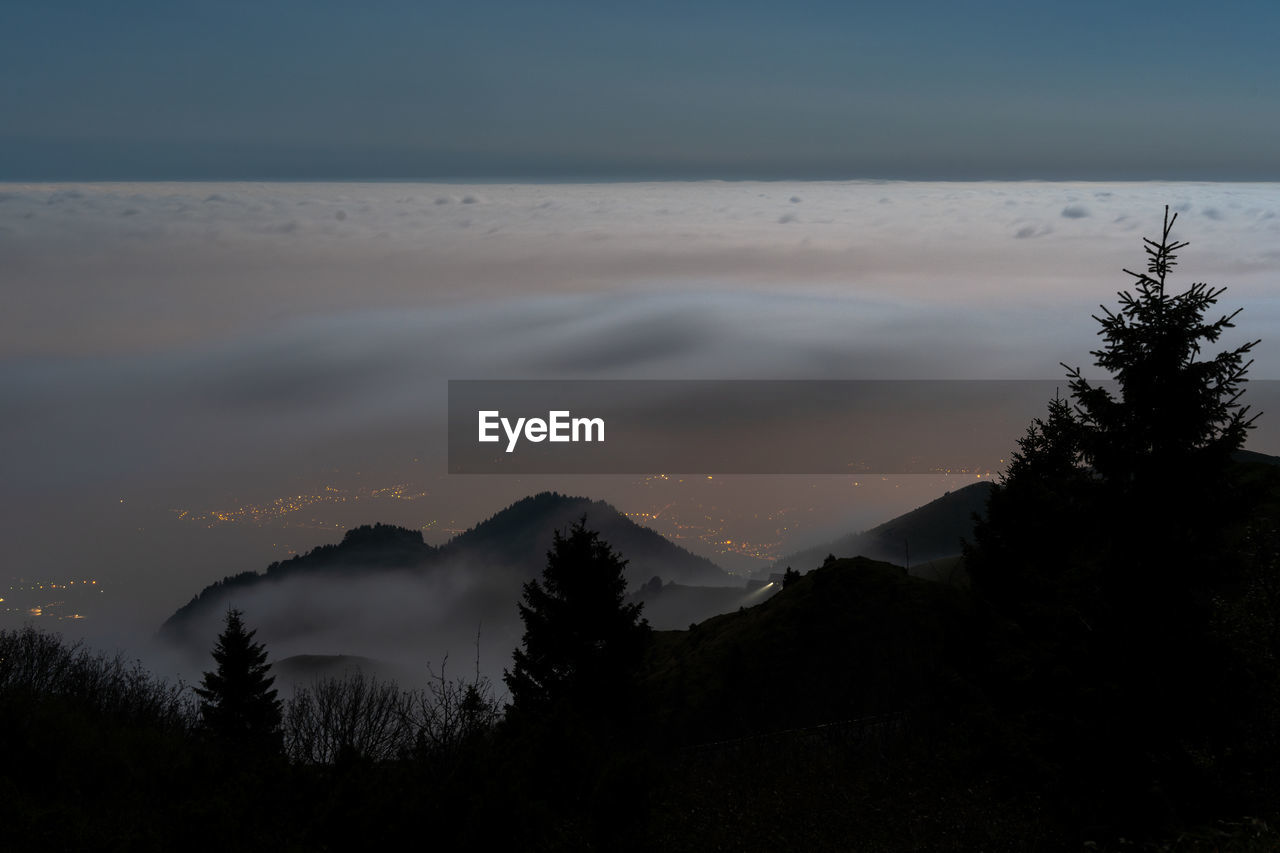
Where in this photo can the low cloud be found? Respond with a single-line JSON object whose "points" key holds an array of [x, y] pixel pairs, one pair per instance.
{"points": [[411, 620], [1028, 231]]}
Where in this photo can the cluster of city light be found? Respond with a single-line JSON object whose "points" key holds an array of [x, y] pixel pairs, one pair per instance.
{"points": [[710, 531], [33, 603], [280, 508], [20, 584]]}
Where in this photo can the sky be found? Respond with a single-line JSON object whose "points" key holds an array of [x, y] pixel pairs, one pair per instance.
{"points": [[589, 90]]}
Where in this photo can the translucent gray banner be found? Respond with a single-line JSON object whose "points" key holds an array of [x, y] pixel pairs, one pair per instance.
{"points": [[744, 426]]}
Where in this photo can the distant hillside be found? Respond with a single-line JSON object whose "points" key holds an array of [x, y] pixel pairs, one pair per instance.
{"points": [[931, 532], [486, 566], [1254, 457], [376, 547], [380, 546], [674, 606]]}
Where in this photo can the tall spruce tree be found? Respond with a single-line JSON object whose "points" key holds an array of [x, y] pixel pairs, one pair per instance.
{"points": [[1177, 413], [1144, 474], [1163, 444], [582, 642], [1107, 542], [237, 702]]}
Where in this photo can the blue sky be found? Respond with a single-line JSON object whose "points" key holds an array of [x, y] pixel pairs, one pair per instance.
{"points": [[499, 88]]}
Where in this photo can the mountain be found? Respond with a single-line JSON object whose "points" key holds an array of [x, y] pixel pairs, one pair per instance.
{"points": [[932, 532], [386, 593], [378, 547], [520, 535]]}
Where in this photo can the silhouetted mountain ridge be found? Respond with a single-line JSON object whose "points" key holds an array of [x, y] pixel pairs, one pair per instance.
{"points": [[520, 536], [500, 553], [376, 545]]}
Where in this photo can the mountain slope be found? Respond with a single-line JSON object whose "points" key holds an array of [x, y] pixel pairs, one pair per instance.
{"points": [[930, 532]]}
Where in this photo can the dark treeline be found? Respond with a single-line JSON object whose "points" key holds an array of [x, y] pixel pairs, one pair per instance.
{"points": [[1099, 673]]}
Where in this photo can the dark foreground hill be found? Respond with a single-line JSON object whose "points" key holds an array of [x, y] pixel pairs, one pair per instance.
{"points": [[835, 715], [930, 532], [712, 759], [854, 638], [860, 708]]}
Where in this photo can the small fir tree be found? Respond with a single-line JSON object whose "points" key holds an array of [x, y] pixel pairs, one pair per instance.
{"points": [[237, 702], [582, 642]]}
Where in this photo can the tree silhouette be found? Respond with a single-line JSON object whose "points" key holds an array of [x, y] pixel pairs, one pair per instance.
{"points": [[1106, 544], [1144, 474], [1030, 544], [237, 702], [1174, 409], [582, 642]]}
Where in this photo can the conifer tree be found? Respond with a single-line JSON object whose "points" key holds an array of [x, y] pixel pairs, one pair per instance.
{"points": [[1142, 476], [1030, 541], [1162, 445], [237, 702], [1107, 544], [582, 642], [1175, 410]]}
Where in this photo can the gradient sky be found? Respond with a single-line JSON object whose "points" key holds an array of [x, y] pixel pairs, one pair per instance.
{"points": [[923, 90]]}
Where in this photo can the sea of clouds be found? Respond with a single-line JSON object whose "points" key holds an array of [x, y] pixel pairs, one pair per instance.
{"points": [[182, 344]]}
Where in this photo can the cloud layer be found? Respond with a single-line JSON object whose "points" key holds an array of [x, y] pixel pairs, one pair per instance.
{"points": [[219, 342]]}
